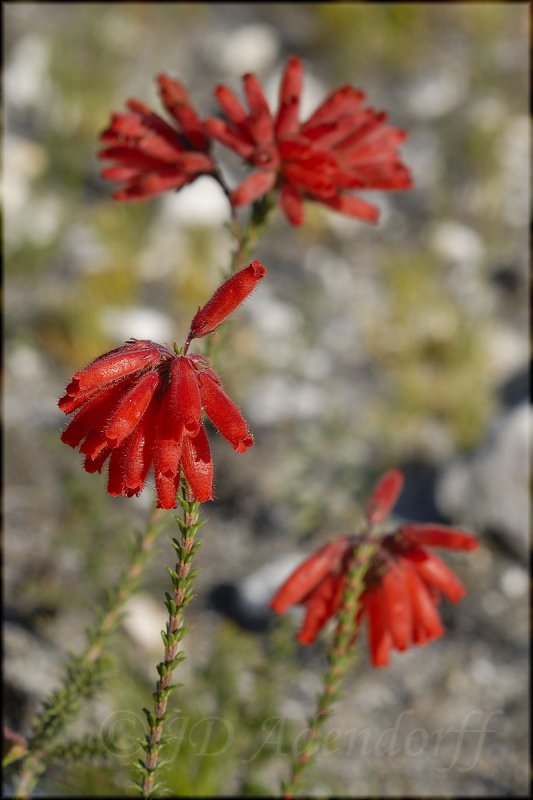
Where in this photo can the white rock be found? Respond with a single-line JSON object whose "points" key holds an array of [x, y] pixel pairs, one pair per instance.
{"points": [[141, 323], [258, 588], [201, 203], [250, 48], [276, 398], [27, 77], [144, 619], [437, 92], [483, 671], [457, 242], [514, 582], [507, 350]]}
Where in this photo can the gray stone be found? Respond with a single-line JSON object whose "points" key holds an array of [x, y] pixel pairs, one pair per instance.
{"points": [[489, 491]]}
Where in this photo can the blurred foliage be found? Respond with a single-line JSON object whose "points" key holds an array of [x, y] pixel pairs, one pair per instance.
{"points": [[431, 353], [217, 734]]}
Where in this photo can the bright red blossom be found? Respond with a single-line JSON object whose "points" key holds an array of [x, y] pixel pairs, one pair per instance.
{"points": [[150, 154], [341, 147], [226, 299], [141, 404], [402, 586]]}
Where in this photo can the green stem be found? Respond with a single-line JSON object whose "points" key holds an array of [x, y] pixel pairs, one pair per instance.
{"points": [[339, 662], [182, 581], [247, 237], [182, 578], [83, 670]]}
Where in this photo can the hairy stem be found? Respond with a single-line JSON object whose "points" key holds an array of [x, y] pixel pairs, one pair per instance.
{"points": [[339, 661], [182, 581], [83, 671]]}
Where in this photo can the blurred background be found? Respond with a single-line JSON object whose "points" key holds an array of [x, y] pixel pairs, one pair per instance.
{"points": [[402, 344]]}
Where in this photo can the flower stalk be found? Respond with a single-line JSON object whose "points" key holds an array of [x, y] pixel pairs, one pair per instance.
{"points": [[182, 578], [339, 660], [246, 238]]}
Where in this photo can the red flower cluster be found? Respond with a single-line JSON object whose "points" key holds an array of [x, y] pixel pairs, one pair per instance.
{"points": [[141, 404], [341, 147], [151, 155], [401, 587]]}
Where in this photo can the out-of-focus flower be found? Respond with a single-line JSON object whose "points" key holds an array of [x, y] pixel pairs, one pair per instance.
{"points": [[141, 404], [151, 155], [343, 146], [402, 585]]}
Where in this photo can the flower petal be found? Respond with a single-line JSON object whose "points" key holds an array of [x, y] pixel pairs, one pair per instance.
{"points": [[184, 402], [321, 605], [117, 469], [197, 466], [140, 450], [125, 360], [131, 408], [438, 536], [436, 573], [177, 102], [353, 207], [226, 299], [426, 619], [379, 636], [95, 464], [166, 490], [384, 496], [231, 106], [341, 101], [308, 574], [229, 137], [397, 607], [255, 185], [151, 184], [254, 94], [223, 413], [291, 203], [289, 98], [93, 416], [167, 456]]}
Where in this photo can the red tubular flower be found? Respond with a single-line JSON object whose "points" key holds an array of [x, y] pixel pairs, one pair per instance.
{"points": [[141, 404], [402, 585], [384, 497], [341, 147], [150, 154], [226, 299]]}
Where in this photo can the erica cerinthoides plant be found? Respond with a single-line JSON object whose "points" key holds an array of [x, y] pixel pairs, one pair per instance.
{"points": [[141, 404], [140, 408], [152, 155], [343, 146], [387, 576]]}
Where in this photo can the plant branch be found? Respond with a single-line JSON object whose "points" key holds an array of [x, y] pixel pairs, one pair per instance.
{"points": [[182, 581], [246, 238], [84, 670], [339, 661]]}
